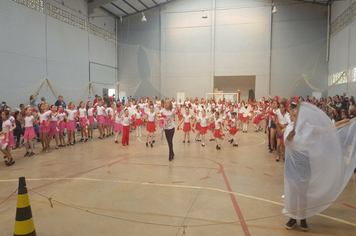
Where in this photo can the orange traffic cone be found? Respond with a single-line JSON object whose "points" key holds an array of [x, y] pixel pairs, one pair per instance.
{"points": [[24, 224]]}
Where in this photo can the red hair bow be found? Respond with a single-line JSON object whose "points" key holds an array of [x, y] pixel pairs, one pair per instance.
{"points": [[276, 98]]}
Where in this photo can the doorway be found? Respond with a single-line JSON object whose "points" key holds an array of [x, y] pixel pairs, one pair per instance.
{"points": [[230, 84]]}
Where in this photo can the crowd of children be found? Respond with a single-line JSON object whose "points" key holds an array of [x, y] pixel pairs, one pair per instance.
{"points": [[202, 117]]}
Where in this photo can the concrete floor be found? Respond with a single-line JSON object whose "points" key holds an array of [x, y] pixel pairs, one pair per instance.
{"points": [[202, 188]]}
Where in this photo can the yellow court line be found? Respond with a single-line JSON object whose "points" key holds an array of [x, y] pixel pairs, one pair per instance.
{"points": [[181, 186]]}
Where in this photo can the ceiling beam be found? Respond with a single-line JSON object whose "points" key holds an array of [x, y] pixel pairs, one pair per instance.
{"points": [[97, 4]]}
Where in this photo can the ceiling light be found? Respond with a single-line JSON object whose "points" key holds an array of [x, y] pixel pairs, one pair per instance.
{"points": [[274, 10], [204, 16], [143, 17]]}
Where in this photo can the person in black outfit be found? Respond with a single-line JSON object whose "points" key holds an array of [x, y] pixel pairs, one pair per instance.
{"points": [[18, 131], [106, 100]]}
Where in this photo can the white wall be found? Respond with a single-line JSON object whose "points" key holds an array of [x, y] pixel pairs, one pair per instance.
{"points": [[35, 46], [299, 44], [235, 40], [342, 49]]}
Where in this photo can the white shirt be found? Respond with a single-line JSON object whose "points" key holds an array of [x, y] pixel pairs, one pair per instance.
{"points": [[109, 111], [82, 112], [138, 115], [29, 121], [217, 123], [5, 124], [125, 120], [71, 114], [141, 105], [44, 116], [284, 120], [54, 118], [151, 117], [169, 118], [187, 118], [90, 112], [61, 116], [118, 118], [100, 110], [204, 122]]}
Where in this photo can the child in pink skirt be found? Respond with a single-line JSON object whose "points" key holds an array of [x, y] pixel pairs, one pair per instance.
{"points": [[83, 121], [44, 116], [71, 122], [110, 112], [100, 109], [7, 137], [53, 125], [29, 132], [61, 116], [118, 126], [90, 113]]}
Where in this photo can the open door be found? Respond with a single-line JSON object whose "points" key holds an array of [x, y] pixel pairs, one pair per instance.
{"points": [[181, 95]]}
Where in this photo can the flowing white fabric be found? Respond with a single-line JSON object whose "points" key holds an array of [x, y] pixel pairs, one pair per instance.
{"points": [[320, 161]]}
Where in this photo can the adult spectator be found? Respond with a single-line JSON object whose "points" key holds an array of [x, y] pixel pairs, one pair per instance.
{"points": [[95, 99], [33, 100], [106, 100], [60, 102], [43, 100], [123, 101]]}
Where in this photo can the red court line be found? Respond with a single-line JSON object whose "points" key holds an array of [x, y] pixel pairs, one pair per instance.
{"points": [[233, 199], [267, 175], [234, 162], [352, 207], [205, 177], [249, 168], [179, 182], [48, 165], [109, 172]]}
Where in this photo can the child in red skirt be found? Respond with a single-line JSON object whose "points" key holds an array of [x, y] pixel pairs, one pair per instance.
{"points": [[218, 135], [233, 130], [138, 122], [211, 127], [204, 123], [187, 124], [151, 117], [29, 132]]}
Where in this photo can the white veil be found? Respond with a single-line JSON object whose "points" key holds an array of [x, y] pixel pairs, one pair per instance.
{"points": [[319, 162]]}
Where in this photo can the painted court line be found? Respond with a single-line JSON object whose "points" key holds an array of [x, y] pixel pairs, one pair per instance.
{"points": [[177, 186], [352, 207]]}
